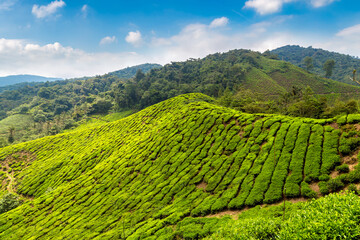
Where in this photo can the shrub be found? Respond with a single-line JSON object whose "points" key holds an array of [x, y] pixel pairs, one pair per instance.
{"points": [[9, 202], [335, 184], [352, 188], [324, 177], [323, 188], [344, 168], [306, 191]]}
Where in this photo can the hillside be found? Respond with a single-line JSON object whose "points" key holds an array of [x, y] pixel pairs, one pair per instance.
{"points": [[14, 79], [57, 106], [143, 176], [344, 64], [232, 70], [130, 72]]}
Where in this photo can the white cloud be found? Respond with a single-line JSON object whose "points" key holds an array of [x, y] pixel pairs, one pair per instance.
{"points": [[84, 10], [47, 10], [134, 38], [6, 4], [350, 31], [54, 60], [107, 40], [193, 41], [266, 6], [199, 40], [345, 41], [219, 22], [321, 3]]}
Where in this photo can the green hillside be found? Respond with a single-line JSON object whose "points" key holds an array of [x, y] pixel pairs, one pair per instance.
{"points": [[276, 77], [130, 72], [52, 107], [236, 69], [344, 64], [143, 176]]}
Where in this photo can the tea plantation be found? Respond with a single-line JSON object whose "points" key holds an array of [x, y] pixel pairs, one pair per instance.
{"points": [[157, 173]]}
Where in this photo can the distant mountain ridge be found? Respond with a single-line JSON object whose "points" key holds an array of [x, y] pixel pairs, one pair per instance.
{"points": [[344, 64], [14, 79], [14, 82]]}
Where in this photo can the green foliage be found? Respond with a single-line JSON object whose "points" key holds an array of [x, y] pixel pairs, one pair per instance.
{"points": [[153, 173], [343, 69], [328, 67], [8, 202], [344, 168], [306, 191], [353, 188], [335, 185], [333, 217], [308, 61]]}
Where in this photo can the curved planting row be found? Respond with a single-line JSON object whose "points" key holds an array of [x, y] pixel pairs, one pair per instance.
{"points": [[137, 177]]}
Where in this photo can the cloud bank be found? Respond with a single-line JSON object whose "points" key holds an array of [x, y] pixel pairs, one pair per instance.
{"points": [[264, 7], [54, 60], [193, 41]]}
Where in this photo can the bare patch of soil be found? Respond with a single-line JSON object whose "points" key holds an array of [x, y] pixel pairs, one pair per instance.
{"points": [[357, 127], [22, 156], [296, 200], [334, 125], [241, 133], [261, 146], [352, 160], [315, 187], [334, 174], [202, 185], [349, 160], [234, 214]]}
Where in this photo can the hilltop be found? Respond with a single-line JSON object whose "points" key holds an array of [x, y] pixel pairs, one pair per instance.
{"points": [[155, 173], [344, 64], [130, 72], [212, 75]]}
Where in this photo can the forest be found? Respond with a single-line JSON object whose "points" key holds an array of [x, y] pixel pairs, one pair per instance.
{"points": [[241, 79]]}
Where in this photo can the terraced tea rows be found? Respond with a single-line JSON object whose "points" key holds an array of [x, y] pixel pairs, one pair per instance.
{"points": [[140, 176]]}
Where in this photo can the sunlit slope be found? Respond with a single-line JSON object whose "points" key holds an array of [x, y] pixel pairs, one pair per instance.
{"points": [[140, 176], [273, 77]]}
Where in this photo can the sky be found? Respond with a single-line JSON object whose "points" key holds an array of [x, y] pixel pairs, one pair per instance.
{"points": [[76, 38]]}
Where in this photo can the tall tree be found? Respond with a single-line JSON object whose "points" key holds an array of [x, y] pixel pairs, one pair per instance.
{"points": [[11, 137], [308, 61], [329, 67]]}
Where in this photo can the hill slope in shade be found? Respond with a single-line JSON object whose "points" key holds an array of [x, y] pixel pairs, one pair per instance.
{"points": [[14, 79], [139, 177], [234, 69], [344, 64]]}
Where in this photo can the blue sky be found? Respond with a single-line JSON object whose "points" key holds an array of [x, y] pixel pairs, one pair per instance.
{"points": [[63, 38]]}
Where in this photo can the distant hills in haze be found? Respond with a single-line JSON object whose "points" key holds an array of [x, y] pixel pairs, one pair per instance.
{"points": [[14, 79], [344, 64], [14, 82]]}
